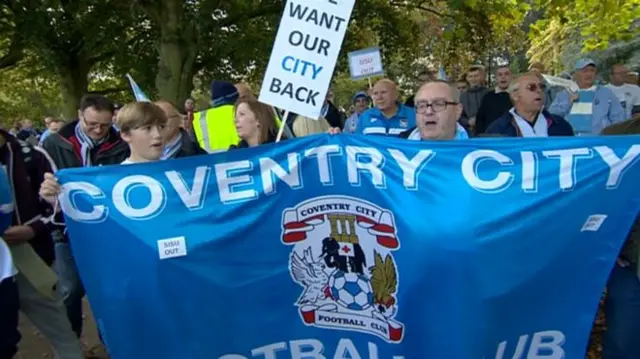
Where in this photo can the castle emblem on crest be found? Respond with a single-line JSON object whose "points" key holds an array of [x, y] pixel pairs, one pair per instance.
{"points": [[342, 257]]}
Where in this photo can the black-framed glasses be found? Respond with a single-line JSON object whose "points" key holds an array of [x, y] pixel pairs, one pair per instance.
{"points": [[95, 125], [436, 106]]}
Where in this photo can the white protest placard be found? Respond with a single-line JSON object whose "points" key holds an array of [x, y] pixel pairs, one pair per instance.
{"points": [[304, 55], [365, 63], [559, 81]]}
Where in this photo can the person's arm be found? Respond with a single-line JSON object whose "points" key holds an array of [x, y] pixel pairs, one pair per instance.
{"points": [[561, 105], [45, 164], [635, 106]]}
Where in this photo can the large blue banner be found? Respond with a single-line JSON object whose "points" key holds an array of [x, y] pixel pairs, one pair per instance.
{"points": [[355, 247]]}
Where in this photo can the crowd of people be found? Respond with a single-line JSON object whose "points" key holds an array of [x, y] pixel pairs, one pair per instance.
{"points": [[41, 278]]}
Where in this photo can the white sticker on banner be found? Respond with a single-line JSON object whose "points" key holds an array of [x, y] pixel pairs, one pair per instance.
{"points": [[593, 223], [172, 247]]}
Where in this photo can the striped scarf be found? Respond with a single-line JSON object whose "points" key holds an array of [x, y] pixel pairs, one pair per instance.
{"points": [[171, 148], [581, 114], [86, 145]]}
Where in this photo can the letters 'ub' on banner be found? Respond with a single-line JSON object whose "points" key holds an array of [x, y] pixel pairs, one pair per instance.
{"points": [[304, 55], [344, 247]]}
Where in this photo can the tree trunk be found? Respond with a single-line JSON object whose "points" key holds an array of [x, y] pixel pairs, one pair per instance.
{"points": [[74, 83], [177, 49]]}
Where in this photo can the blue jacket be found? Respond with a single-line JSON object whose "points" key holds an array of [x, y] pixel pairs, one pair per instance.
{"points": [[556, 126], [606, 108], [373, 122]]}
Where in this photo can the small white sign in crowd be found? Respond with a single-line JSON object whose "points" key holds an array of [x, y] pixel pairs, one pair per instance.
{"points": [[365, 63]]}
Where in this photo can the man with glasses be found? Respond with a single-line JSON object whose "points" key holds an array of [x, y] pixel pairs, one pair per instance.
{"points": [[438, 108], [89, 141], [528, 118]]}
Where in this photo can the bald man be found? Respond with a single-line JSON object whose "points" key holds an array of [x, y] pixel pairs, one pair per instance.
{"points": [[389, 117], [528, 118], [438, 108]]}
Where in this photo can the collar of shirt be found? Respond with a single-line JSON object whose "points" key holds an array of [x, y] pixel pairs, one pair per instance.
{"points": [[400, 113], [461, 134]]}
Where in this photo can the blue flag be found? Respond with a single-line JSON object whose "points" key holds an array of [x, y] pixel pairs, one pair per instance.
{"points": [[137, 91], [355, 247]]}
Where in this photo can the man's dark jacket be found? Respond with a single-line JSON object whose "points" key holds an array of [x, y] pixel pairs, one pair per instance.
{"points": [[26, 166], [493, 106], [505, 126], [189, 146], [64, 148]]}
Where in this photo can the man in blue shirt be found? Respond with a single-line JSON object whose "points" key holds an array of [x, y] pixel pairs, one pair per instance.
{"points": [[389, 117]]}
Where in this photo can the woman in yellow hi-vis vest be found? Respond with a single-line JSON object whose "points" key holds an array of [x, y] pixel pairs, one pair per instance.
{"points": [[214, 128]]}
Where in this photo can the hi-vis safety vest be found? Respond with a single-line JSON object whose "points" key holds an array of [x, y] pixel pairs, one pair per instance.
{"points": [[214, 129]]}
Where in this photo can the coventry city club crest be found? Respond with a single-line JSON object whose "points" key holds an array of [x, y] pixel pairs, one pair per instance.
{"points": [[342, 257]]}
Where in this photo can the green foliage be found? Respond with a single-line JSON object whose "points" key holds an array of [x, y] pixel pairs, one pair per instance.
{"points": [[26, 94], [593, 23]]}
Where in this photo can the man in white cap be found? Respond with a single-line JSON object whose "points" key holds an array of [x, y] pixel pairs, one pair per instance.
{"points": [[593, 107]]}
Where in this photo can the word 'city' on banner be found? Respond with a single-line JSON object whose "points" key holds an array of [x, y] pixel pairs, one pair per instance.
{"points": [[355, 247], [304, 55]]}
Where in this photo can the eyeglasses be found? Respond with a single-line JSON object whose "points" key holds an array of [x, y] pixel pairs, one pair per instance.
{"points": [[436, 106], [94, 125]]}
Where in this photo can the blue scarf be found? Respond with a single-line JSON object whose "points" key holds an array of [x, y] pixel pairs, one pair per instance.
{"points": [[86, 144], [171, 148]]}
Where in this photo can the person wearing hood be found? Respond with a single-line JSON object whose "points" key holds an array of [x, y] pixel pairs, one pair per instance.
{"points": [[361, 102], [214, 127], [438, 109], [472, 98]]}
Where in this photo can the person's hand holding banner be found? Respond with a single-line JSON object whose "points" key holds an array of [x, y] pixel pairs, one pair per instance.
{"points": [[355, 246]]}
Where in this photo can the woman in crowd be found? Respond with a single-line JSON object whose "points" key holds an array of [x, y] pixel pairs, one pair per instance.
{"points": [[255, 123]]}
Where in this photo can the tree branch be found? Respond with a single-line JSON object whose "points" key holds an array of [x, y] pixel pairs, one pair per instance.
{"points": [[252, 14], [111, 90], [16, 52], [151, 9], [109, 54], [420, 6]]}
